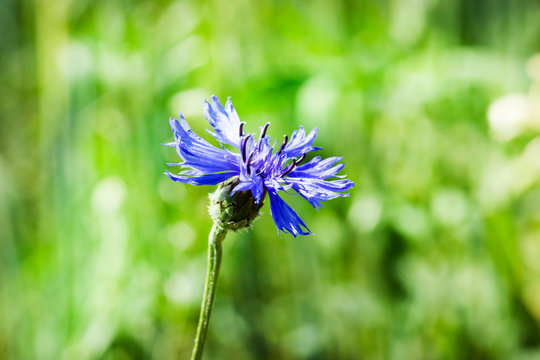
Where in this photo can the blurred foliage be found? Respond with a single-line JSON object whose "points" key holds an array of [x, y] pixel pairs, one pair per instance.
{"points": [[433, 104]]}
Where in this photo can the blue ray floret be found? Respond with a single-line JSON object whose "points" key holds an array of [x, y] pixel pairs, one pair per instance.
{"points": [[259, 166]]}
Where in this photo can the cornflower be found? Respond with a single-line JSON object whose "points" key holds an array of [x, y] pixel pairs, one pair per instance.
{"points": [[256, 167], [245, 176]]}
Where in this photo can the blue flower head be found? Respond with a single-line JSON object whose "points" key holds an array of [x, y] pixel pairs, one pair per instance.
{"points": [[257, 165]]}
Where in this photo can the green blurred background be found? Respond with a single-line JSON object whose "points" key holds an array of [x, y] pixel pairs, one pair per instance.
{"points": [[433, 104]]}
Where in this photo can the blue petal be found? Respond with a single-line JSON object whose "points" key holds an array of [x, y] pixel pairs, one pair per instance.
{"points": [[197, 153], [242, 186], [318, 169], [317, 190], [225, 122], [251, 182], [285, 217], [299, 143], [262, 160], [309, 180], [206, 179]]}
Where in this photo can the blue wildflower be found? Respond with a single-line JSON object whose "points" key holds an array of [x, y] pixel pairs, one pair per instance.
{"points": [[258, 166]]}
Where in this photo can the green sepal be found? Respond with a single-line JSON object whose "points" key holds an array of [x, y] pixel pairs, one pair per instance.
{"points": [[236, 211]]}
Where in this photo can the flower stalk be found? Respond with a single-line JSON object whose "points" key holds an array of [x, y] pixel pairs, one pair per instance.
{"points": [[216, 237]]}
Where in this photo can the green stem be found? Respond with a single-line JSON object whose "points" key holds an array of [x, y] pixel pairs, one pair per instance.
{"points": [[215, 238]]}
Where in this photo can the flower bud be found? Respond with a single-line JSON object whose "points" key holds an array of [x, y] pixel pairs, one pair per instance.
{"points": [[236, 211]]}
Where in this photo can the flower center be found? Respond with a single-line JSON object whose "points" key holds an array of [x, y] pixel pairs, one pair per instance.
{"points": [[293, 165], [241, 129], [243, 147], [256, 149], [285, 141]]}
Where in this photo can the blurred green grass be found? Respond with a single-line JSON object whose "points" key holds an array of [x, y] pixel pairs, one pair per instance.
{"points": [[434, 255]]}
